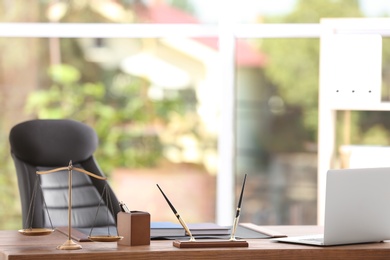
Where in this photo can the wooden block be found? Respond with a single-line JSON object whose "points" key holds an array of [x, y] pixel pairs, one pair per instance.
{"points": [[210, 243], [134, 227]]}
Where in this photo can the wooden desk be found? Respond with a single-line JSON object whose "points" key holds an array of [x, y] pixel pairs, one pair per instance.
{"points": [[16, 246]]}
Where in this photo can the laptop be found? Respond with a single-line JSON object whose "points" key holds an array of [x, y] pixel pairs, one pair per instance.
{"points": [[357, 208]]}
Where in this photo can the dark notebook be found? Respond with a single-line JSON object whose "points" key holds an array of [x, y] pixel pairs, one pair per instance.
{"points": [[169, 229], [244, 231]]}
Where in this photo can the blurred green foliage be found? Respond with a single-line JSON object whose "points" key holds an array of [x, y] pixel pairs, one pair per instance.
{"points": [[126, 120], [294, 63], [293, 69], [10, 214]]}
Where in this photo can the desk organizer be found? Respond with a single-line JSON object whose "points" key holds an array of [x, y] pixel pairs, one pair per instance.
{"points": [[134, 227]]}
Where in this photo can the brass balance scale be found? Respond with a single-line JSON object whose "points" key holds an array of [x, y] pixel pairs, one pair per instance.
{"points": [[69, 244]]}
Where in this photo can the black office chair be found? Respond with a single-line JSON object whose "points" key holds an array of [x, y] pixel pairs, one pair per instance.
{"points": [[41, 145]]}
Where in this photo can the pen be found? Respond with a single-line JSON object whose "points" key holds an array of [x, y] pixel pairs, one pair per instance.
{"points": [[183, 224], [123, 207], [235, 223]]}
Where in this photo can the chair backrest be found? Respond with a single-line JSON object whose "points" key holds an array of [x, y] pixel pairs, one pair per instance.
{"points": [[39, 145]]}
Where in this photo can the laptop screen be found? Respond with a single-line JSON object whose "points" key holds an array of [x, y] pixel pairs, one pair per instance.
{"points": [[357, 207]]}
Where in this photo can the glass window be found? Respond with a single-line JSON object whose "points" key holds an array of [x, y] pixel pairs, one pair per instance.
{"points": [[276, 131], [151, 101], [156, 101]]}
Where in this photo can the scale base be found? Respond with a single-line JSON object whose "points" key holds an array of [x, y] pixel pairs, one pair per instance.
{"points": [[210, 243], [69, 245]]}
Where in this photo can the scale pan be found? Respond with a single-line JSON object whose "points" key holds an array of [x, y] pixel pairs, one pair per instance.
{"points": [[105, 238], [36, 231]]}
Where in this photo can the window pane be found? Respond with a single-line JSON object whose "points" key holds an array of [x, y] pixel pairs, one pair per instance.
{"points": [[152, 102], [276, 120]]}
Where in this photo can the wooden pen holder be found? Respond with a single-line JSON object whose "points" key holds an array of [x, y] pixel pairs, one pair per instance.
{"points": [[134, 227]]}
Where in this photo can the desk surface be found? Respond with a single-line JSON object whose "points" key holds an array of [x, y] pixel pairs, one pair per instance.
{"points": [[16, 246]]}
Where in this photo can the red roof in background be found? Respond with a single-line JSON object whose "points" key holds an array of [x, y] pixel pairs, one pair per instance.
{"points": [[246, 55], [163, 13]]}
